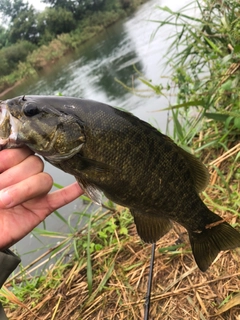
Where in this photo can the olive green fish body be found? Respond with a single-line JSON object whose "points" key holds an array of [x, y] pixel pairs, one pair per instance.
{"points": [[133, 164]]}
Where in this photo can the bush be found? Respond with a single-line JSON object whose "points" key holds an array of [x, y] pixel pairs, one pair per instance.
{"points": [[46, 54], [12, 55], [52, 22], [204, 56]]}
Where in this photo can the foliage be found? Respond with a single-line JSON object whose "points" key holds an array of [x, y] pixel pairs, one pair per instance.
{"points": [[49, 26], [100, 230], [12, 8], [78, 8], [56, 30], [111, 270], [109, 265], [3, 37], [12, 55], [204, 57], [24, 27], [45, 54], [22, 24], [61, 17], [205, 66]]}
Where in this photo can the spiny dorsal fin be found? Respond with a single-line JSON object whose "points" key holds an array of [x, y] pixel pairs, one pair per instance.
{"points": [[198, 170]]}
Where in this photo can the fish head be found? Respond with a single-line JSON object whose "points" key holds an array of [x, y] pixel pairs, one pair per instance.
{"points": [[46, 128]]}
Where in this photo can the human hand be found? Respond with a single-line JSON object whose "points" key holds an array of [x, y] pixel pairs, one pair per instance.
{"points": [[24, 197]]}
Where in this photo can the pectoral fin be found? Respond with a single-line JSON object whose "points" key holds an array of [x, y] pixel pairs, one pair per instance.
{"points": [[91, 190], [150, 227]]}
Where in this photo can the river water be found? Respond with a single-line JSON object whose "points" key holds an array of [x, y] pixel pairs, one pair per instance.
{"points": [[90, 73]]}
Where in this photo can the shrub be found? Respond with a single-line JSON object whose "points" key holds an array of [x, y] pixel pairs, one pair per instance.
{"points": [[10, 56]]}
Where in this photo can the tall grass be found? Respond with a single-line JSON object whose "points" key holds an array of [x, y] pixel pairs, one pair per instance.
{"points": [[204, 57], [94, 230]]}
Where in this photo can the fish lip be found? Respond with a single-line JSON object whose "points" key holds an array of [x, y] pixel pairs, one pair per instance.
{"points": [[3, 112], [5, 116]]}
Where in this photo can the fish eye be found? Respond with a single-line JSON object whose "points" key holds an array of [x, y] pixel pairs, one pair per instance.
{"points": [[30, 110]]}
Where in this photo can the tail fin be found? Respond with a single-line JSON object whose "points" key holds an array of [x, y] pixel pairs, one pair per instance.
{"points": [[208, 243]]}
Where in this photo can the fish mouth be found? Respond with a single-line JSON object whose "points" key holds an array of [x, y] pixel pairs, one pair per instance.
{"points": [[8, 127]]}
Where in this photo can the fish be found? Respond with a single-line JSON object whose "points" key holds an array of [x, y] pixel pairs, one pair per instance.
{"points": [[112, 152]]}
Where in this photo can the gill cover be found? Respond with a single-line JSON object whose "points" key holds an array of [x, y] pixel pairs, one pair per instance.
{"points": [[45, 129]]}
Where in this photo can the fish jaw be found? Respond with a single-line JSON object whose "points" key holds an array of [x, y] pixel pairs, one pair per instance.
{"points": [[9, 127], [49, 132]]}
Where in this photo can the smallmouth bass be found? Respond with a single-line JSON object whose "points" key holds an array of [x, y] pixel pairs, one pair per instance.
{"points": [[133, 164]]}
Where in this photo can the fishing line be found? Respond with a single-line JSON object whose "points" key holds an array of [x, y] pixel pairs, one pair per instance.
{"points": [[150, 275], [149, 287]]}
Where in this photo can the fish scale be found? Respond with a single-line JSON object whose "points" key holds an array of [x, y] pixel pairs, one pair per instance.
{"points": [[133, 164]]}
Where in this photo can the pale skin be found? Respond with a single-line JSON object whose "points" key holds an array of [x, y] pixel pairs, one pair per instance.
{"points": [[25, 200]]}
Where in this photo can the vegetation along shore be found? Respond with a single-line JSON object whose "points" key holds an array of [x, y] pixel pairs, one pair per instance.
{"points": [[101, 271], [34, 40]]}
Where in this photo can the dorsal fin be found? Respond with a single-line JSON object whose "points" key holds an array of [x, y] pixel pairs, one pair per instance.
{"points": [[198, 170]]}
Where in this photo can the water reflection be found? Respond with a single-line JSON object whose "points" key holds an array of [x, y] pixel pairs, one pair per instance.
{"points": [[109, 59], [90, 72]]}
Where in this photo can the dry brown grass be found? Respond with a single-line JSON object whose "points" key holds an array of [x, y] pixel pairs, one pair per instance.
{"points": [[179, 289]]}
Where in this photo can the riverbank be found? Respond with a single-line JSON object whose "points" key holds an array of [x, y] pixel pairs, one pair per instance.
{"points": [[47, 55], [102, 270], [107, 275]]}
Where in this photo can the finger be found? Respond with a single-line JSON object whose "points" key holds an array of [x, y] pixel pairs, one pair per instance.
{"points": [[27, 168], [43, 206], [63, 196], [23, 191], [11, 157]]}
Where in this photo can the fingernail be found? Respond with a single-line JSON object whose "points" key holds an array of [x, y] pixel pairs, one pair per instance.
{"points": [[5, 198]]}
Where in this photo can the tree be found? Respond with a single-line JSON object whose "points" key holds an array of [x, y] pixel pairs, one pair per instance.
{"points": [[49, 26], [24, 27], [12, 8], [69, 5], [77, 7], [22, 20], [11, 55], [3, 37]]}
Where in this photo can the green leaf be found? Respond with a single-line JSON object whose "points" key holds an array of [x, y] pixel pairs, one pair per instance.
{"points": [[237, 48], [102, 234], [59, 186], [193, 103], [123, 231], [227, 85], [213, 46], [228, 121], [216, 116], [61, 218], [178, 127], [237, 122], [98, 247], [171, 248]]}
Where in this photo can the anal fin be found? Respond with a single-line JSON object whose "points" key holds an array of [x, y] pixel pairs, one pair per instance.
{"points": [[150, 228]]}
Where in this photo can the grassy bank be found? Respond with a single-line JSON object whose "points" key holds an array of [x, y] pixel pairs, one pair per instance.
{"points": [[106, 276], [47, 54]]}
